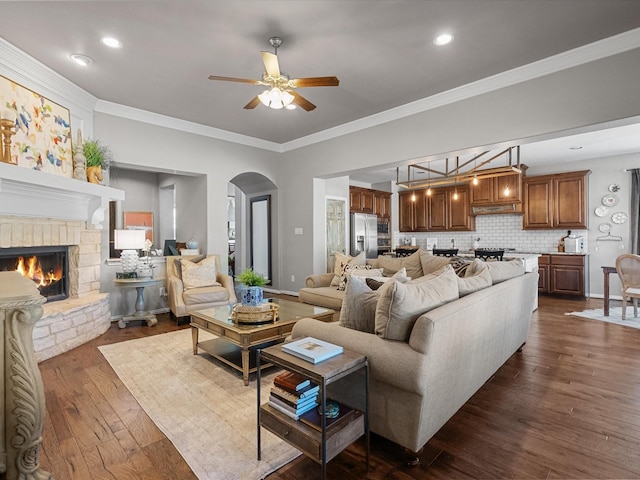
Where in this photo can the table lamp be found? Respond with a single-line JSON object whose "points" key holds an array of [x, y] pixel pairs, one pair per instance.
{"points": [[129, 241]]}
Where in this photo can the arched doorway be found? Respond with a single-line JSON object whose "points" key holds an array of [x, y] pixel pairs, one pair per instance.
{"points": [[253, 231]]}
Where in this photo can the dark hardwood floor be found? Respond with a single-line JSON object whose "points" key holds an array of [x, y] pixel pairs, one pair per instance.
{"points": [[568, 406]]}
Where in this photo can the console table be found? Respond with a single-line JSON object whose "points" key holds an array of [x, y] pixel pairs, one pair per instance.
{"points": [[606, 271], [141, 312]]}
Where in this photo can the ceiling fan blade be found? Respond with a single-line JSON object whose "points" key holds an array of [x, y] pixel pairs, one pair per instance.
{"points": [[302, 102], [233, 79], [316, 82], [271, 64], [255, 101]]}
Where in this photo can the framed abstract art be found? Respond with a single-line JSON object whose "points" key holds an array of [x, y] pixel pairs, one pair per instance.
{"points": [[43, 131]]}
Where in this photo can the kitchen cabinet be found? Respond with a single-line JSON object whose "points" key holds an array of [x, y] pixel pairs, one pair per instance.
{"points": [[491, 191], [562, 274], [556, 201], [382, 204], [366, 200], [438, 212], [360, 200], [413, 209]]}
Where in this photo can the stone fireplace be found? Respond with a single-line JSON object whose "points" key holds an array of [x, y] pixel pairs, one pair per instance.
{"points": [[38, 210], [47, 266]]}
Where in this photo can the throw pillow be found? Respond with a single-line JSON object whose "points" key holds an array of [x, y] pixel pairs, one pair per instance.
{"points": [[178, 265], [400, 304], [341, 262], [358, 271], [413, 264], [358, 310], [460, 265], [501, 271], [431, 263], [196, 275], [390, 265], [473, 283], [376, 282], [475, 267]]}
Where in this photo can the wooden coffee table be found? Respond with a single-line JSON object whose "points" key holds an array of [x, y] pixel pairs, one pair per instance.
{"points": [[236, 343]]}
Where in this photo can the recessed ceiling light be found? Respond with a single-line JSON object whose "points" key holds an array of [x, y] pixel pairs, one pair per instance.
{"points": [[443, 39], [80, 59], [112, 42]]}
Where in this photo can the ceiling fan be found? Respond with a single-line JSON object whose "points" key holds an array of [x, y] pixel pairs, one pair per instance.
{"points": [[280, 91]]}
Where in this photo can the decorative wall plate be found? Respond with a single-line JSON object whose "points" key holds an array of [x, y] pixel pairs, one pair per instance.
{"points": [[614, 187], [604, 227], [619, 217], [601, 211], [610, 200]]}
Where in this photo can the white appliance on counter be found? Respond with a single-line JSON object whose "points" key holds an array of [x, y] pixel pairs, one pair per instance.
{"points": [[574, 245], [364, 234]]}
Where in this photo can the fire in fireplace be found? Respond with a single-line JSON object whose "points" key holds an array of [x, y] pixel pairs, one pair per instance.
{"points": [[47, 266]]}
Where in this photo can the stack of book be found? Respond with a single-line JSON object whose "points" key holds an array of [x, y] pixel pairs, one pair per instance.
{"points": [[293, 394]]}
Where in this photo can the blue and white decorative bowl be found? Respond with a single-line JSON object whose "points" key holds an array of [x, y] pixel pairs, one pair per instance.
{"points": [[250, 296]]}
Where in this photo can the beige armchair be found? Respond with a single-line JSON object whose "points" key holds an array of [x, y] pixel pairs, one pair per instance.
{"points": [[196, 291]]}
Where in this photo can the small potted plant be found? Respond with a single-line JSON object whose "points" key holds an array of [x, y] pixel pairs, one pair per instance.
{"points": [[250, 293], [97, 157]]}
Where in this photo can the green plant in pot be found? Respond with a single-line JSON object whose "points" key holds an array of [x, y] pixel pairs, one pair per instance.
{"points": [[250, 293], [97, 157]]}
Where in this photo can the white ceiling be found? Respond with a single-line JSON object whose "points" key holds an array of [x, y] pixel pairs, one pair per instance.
{"points": [[381, 51]]}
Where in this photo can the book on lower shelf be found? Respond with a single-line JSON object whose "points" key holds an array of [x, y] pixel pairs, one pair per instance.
{"points": [[313, 418], [292, 414], [291, 381], [308, 391], [312, 350]]}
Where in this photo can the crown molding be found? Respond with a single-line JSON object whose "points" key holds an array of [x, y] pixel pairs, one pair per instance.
{"points": [[157, 119], [22, 68], [572, 58]]}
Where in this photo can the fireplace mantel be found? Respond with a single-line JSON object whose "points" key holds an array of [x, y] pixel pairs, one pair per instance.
{"points": [[30, 193]]}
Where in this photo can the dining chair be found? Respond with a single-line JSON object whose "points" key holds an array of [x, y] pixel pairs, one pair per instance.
{"points": [[490, 255], [445, 252], [628, 268]]}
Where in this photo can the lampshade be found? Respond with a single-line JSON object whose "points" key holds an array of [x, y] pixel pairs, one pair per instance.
{"points": [[129, 239]]}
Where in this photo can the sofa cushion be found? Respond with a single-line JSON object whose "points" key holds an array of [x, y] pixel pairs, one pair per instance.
{"points": [[501, 271], [328, 297], [359, 306], [431, 263], [358, 271], [400, 304], [342, 261], [472, 283], [202, 295], [202, 274]]}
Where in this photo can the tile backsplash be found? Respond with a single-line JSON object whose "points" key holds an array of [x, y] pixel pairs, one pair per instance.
{"points": [[494, 231]]}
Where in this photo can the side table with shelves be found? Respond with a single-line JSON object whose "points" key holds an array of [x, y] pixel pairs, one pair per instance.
{"points": [[324, 444]]}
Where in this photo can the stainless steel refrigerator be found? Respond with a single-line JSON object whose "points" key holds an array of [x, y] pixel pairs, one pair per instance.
{"points": [[364, 234]]}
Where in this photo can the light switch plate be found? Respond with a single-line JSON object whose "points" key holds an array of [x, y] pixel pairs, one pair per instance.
{"points": [[297, 230]]}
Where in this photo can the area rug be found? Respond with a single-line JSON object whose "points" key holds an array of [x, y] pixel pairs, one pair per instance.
{"points": [[615, 316], [203, 407]]}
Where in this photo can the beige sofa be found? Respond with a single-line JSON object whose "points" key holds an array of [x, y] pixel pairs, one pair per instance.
{"points": [[183, 300], [452, 350]]}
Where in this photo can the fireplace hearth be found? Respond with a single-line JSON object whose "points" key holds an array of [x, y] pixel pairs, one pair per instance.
{"points": [[47, 266]]}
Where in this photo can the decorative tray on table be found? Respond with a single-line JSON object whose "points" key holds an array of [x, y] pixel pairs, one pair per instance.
{"points": [[246, 314]]}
